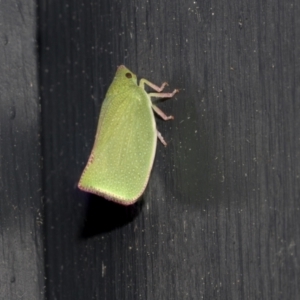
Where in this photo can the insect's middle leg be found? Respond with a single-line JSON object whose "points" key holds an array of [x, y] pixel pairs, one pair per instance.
{"points": [[161, 113], [163, 95]]}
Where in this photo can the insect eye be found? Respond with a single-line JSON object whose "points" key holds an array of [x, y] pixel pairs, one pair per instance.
{"points": [[128, 75]]}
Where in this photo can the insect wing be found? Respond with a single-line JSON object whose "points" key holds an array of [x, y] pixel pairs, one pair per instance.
{"points": [[122, 157]]}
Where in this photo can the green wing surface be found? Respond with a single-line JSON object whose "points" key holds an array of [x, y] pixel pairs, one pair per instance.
{"points": [[122, 157]]}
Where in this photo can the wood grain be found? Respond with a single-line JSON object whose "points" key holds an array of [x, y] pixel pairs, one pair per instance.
{"points": [[220, 216], [21, 211]]}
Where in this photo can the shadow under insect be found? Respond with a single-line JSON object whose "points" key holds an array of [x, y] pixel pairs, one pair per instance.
{"points": [[105, 216]]}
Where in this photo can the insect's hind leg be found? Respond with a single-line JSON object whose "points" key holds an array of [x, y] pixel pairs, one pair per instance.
{"points": [[161, 138]]}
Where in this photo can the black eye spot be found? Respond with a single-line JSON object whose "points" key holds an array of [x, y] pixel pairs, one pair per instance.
{"points": [[128, 75]]}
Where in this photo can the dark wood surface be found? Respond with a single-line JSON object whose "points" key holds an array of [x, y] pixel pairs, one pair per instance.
{"points": [[220, 216], [21, 211]]}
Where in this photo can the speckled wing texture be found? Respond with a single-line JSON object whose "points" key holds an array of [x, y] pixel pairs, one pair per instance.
{"points": [[122, 157]]}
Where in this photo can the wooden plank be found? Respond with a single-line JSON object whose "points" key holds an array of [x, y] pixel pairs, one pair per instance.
{"points": [[21, 215], [220, 217]]}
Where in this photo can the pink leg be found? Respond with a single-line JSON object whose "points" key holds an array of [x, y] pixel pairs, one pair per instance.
{"points": [[152, 85], [160, 137], [163, 95], [161, 113]]}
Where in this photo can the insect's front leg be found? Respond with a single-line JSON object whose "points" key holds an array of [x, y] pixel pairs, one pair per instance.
{"points": [[152, 85]]}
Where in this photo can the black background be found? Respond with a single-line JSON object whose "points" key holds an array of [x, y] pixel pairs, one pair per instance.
{"points": [[220, 216]]}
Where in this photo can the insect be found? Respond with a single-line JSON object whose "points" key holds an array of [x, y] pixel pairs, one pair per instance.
{"points": [[121, 160]]}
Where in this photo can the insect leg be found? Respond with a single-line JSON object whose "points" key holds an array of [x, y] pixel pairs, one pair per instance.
{"points": [[152, 85], [163, 95], [161, 113], [160, 137]]}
